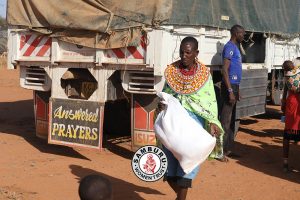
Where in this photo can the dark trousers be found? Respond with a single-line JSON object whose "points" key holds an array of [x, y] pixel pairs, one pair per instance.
{"points": [[227, 116]]}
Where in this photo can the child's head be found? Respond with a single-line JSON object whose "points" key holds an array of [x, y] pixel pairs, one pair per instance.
{"points": [[287, 65], [95, 187], [296, 62]]}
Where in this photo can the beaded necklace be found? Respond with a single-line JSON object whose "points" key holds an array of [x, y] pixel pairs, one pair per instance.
{"points": [[186, 81]]}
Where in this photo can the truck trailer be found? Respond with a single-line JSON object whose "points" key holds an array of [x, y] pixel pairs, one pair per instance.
{"points": [[76, 56]]}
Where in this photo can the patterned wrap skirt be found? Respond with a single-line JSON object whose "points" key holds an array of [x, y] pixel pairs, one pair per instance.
{"points": [[292, 117]]}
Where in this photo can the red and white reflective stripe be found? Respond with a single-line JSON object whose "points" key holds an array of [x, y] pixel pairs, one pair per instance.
{"points": [[133, 52], [35, 45]]}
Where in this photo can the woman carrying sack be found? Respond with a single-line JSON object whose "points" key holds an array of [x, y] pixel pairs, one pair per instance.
{"points": [[191, 83]]}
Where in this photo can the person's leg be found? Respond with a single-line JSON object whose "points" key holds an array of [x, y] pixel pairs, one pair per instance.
{"points": [[184, 181], [170, 175], [172, 183], [182, 193], [231, 134], [286, 148], [226, 116]]}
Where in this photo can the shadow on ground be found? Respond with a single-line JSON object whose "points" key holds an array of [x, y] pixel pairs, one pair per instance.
{"points": [[271, 114], [121, 188], [263, 151], [267, 158], [17, 118]]}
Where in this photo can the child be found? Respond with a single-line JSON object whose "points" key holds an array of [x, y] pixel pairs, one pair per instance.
{"points": [[95, 187], [292, 74]]}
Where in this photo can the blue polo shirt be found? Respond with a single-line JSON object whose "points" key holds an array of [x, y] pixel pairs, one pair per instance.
{"points": [[232, 53]]}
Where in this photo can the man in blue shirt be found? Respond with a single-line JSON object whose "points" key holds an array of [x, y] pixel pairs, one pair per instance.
{"points": [[232, 74]]}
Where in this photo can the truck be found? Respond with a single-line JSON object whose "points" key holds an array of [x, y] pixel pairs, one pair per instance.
{"points": [[84, 59]]}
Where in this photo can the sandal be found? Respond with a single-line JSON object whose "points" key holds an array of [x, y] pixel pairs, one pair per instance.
{"points": [[223, 159]]}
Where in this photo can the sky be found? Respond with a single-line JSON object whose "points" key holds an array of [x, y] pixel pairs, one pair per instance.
{"points": [[3, 8]]}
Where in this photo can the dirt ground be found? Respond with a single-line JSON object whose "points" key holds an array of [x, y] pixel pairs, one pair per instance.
{"points": [[34, 170]]}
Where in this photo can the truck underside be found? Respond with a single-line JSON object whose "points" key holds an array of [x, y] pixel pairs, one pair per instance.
{"points": [[78, 88]]}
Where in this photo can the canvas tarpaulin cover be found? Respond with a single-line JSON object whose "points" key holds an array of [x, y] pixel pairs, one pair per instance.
{"points": [[118, 23], [93, 23], [274, 16]]}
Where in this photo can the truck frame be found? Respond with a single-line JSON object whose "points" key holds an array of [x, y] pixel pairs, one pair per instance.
{"points": [[96, 66], [81, 80]]}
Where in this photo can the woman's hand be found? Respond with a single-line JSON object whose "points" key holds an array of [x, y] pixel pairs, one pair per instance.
{"points": [[160, 107], [232, 98], [214, 130]]}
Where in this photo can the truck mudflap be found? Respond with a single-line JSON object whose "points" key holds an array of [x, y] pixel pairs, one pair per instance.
{"points": [[75, 122], [142, 120], [41, 112]]}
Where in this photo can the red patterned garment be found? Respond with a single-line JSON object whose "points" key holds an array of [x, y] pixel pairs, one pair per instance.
{"points": [[292, 117]]}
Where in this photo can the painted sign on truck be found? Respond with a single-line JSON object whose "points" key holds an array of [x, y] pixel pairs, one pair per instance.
{"points": [[75, 123]]}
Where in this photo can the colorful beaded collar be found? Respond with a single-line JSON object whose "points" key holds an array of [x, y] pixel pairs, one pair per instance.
{"points": [[186, 82]]}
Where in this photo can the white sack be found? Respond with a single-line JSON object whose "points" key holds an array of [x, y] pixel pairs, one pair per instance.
{"points": [[190, 143]]}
